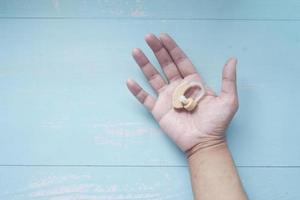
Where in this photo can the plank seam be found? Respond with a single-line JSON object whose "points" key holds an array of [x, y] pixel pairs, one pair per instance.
{"points": [[154, 18], [147, 166]]}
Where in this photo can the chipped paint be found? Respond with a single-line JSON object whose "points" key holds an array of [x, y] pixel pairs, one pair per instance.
{"points": [[56, 4]]}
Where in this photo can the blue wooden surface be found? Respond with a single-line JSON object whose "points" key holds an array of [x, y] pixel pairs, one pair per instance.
{"points": [[89, 183], [153, 9], [59, 61]]}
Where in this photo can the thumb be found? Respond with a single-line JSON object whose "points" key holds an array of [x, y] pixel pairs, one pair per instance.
{"points": [[229, 78]]}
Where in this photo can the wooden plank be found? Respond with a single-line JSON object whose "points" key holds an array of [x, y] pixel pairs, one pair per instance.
{"points": [[191, 9], [68, 183], [94, 183], [56, 76]]}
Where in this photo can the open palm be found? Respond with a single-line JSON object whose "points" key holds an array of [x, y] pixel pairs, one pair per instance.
{"points": [[210, 118]]}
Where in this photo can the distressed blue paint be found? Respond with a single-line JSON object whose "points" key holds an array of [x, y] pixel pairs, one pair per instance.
{"points": [[55, 76], [94, 183], [58, 183], [175, 9]]}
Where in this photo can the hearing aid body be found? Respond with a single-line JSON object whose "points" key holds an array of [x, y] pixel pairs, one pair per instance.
{"points": [[180, 101]]}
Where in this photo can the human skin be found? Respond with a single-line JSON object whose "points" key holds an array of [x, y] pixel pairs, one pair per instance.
{"points": [[200, 133]]}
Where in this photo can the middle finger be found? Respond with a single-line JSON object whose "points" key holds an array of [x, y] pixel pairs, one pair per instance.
{"points": [[163, 57]]}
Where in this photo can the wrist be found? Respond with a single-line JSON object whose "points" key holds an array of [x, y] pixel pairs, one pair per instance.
{"points": [[210, 144]]}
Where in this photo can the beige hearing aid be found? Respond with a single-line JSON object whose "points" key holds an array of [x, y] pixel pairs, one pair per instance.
{"points": [[180, 101]]}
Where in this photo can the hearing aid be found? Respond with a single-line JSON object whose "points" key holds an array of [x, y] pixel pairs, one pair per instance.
{"points": [[181, 101]]}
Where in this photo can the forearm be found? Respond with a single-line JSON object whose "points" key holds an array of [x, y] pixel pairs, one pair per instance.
{"points": [[214, 176]]}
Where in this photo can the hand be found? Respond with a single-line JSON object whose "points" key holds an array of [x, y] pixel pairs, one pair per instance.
{"points": [[204, 126]]}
